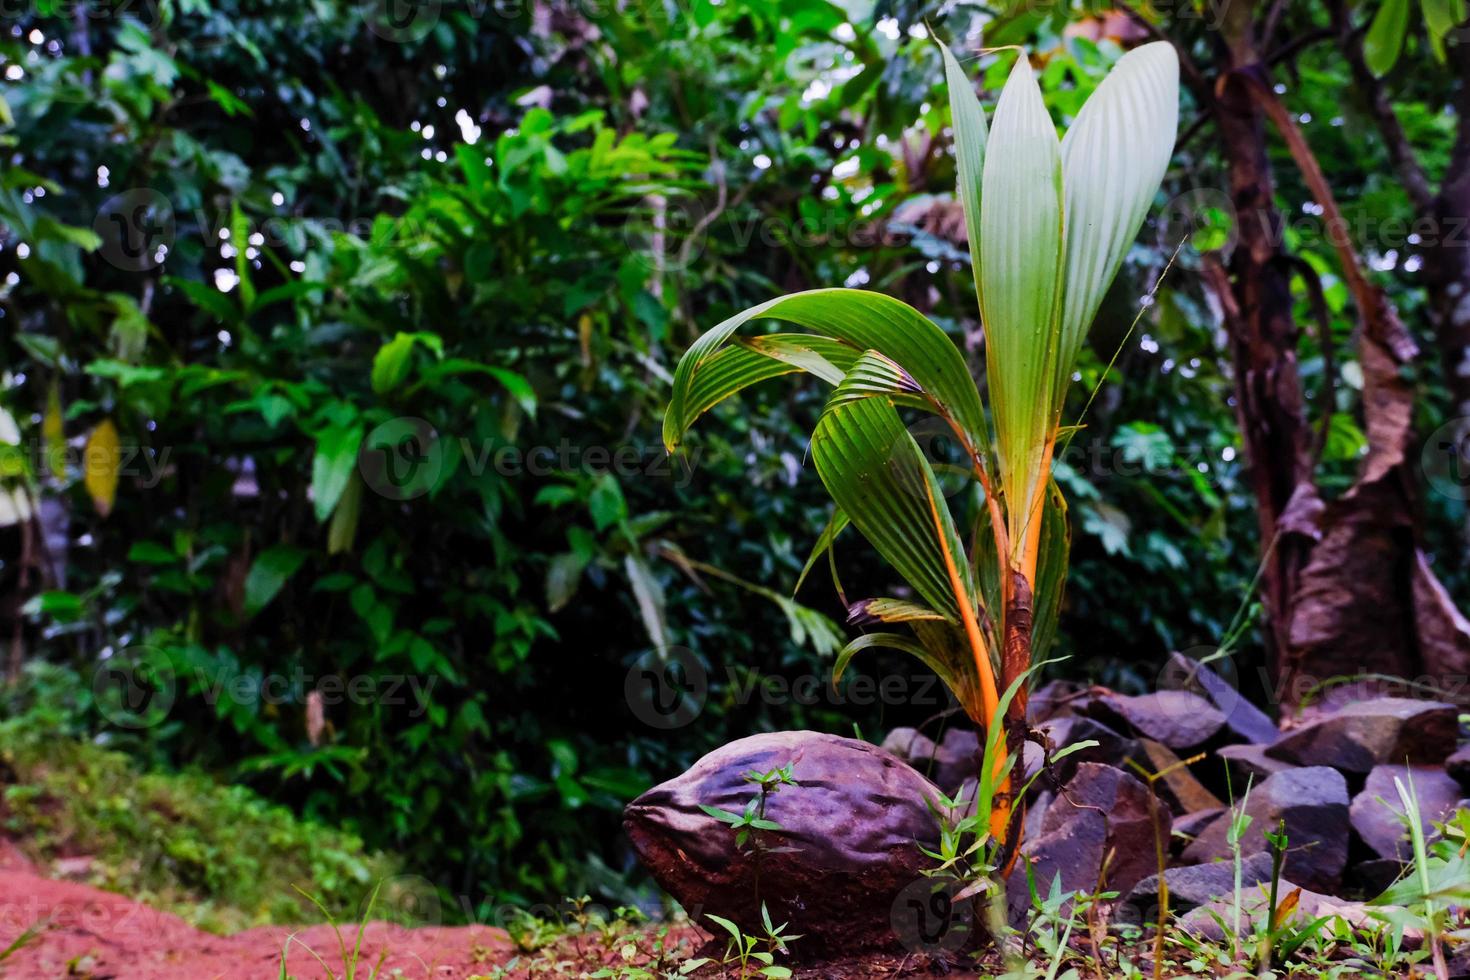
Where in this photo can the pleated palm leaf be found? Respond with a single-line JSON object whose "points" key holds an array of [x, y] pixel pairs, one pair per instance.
{"points": [[1048, 223]]}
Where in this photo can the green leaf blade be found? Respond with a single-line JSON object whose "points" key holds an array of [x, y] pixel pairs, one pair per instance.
{"points": [[1021, 274], [1113, 159], [970, 135], [859, 319], [877, 475]]}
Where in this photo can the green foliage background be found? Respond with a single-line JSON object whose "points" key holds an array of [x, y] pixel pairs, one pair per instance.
{"points": [[507, 221]]}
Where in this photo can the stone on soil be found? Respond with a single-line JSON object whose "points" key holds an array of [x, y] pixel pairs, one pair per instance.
{"points": [[1178, 719], [1243, 719], [1376, 811], [1314, 803], [1190, 887], [1364, 734]]}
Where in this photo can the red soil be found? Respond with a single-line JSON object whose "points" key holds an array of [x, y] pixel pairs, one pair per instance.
{"points": [[92, 933], [89, 934]]}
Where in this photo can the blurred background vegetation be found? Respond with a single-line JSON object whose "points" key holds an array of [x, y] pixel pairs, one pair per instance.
{"points": [[506, 221]]}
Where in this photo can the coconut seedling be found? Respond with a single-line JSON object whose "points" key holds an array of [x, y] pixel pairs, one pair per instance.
{"points": [[1048, 222]]}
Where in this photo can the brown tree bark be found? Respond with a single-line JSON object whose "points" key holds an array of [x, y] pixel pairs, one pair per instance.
{"points": [[1255, 295], [1347, 591], [1442, 220]]}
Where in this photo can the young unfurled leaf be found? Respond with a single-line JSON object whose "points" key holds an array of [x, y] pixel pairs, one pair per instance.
{"points": [[1020, 287]]}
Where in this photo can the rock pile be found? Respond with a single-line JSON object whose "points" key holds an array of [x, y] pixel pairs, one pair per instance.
{"points": [[1172, 768]]}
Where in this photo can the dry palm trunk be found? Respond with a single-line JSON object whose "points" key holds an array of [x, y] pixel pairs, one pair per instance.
{"points": [[1442, 220], [1346, 589]]}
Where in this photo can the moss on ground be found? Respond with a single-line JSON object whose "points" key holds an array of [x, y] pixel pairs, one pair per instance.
{"points": [[219, 856]]}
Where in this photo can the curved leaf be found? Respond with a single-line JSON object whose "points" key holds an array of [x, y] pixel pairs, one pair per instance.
{"points": [[883, 610], [864, 320], [876, 473], [893, 642], [828, 537], [875, 374], [748, 362]]}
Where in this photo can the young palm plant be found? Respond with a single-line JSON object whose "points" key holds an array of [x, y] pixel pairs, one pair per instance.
{"points": [[1048, 223]]}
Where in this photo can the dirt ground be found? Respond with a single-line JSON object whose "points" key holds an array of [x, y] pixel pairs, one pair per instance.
{"points": [[91, 934], [88, 933]]}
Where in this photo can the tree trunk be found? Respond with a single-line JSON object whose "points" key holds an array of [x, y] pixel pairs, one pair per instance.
{"points": [[1256, 298], [1347, 591]]}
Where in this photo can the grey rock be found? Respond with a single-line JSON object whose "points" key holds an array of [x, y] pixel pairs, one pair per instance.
{"points": [[1178, 719], [910, 745], [956, 759], [1072, 852], [1102, 810], [1314, 803], [1206, 921], [1054, 699], [1375, 812], [1243, 719], [948, 765], [848, 845], [1458, 765], [1190, 887], [1250, 762], [1112, 749], [1364, 734], [1190, 825]]}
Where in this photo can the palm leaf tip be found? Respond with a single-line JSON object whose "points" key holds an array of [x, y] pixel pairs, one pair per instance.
{"points": [[1114, 157]]}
